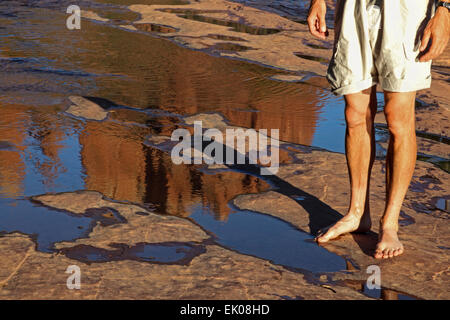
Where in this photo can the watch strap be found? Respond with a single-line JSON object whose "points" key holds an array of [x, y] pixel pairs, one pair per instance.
{"points": [[443, 4]]}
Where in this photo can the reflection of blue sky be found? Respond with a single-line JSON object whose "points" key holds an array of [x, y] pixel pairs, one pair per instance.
{"points": [[68, 175], [330, 130], [268, 238], [47, 225]]}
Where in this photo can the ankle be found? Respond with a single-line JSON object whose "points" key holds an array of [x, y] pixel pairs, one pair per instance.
{"points": [[356, 213], [353, 216], [386, 225]]}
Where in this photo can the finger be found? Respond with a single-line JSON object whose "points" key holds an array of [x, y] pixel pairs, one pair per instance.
{"points": [[318, 29], [311, 21], [425, 58], [313, 27], [430, 53], [425, 39], [322, 24], [312, 24]]}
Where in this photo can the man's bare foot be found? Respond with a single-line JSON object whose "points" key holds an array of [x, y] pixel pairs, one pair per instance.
{"points": [[388, 244], [349, 223]]}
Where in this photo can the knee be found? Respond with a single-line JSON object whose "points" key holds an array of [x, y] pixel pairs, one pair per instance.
{"points": [[399, 113], [354, 116], [399, 124]]}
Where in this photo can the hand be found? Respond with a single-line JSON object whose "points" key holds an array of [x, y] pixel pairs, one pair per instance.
{"points": [[316, 19], [438, 31]]}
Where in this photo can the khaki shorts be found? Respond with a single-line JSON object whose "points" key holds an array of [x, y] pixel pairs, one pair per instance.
{"points": [[377, 42]]}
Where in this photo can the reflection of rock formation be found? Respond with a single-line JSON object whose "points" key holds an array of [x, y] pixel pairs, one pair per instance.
{"points": [[12, 168], [163, 75], [113, 160], [16, 125], [175, 189], [294, 115], [189, 82], [120, 167], [223, 187]]}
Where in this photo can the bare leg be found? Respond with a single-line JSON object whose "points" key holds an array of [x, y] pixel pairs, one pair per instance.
{"points": [[400, 163], [360, 112]]}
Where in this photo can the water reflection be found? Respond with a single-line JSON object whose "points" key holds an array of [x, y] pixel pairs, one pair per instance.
{"points": [[160, 253], [42, 150], [46, 63], [120, 166], [269, 238], [45, 153], [381, 293], [155, 73]]}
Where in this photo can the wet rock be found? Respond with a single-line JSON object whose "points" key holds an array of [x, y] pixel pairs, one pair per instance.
{"points": [[129, 27], [86, 109], [157, 139], [322, 193], [138, 228], [428, 143], [217, 166], [92, 15], [215, 274], [275, 204], [287, 77], [273, 38], [150, 27], [209, 120], [114, 263]]}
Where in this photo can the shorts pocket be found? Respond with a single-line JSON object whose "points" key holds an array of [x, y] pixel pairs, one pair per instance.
{"points": [[410, 50]]}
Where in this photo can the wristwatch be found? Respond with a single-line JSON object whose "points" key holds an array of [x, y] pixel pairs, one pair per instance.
{"points": [[443, 4]]}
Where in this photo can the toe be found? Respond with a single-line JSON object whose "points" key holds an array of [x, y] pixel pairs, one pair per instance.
{"points": [[378, 252], [325, 237], [396, 252], [391, 253], [320, 238], [320, 235], [385, 253]]}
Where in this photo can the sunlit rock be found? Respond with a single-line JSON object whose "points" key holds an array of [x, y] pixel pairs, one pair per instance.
{"points": [[87, 109]]}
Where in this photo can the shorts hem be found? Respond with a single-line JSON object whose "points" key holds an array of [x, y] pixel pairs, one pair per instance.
{"points": [[354, 87], [385, 86], [409, 87]]}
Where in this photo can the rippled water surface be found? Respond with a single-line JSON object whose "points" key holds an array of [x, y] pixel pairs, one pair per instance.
{"points": [[43, 150]]}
